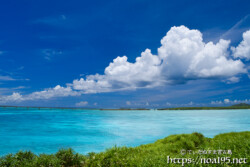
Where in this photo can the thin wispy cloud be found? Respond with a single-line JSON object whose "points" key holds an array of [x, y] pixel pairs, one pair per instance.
{"points": [[234, 32], [7, 90], [52, 20], [62, 21], [6, 78], [49, 54], [10, 78]]}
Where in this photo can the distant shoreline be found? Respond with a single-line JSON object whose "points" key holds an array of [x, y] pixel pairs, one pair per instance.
{"points": [[237, 106]]}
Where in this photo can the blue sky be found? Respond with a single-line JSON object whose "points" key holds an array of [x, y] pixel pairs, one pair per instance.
{"points": [[48, 43]]}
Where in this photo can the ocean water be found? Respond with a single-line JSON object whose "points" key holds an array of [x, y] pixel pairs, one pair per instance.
{"points": [[47, 130]]}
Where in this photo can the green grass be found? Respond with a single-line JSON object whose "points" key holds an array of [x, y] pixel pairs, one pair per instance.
{"points": [[237, 106], [149, 155]]}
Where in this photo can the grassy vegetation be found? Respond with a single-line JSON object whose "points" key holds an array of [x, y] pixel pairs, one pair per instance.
{"points": [[149, 155], [237, 106]]}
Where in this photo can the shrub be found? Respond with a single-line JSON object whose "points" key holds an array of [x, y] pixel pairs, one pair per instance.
{"points": [[69, 158], [44, 160], [149, 155]]}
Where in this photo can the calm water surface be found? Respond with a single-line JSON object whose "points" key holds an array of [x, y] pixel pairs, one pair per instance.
{"points": [[47, 130]]}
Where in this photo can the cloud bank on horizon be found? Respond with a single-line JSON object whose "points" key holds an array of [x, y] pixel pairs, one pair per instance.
{"points": [[182, 56]]}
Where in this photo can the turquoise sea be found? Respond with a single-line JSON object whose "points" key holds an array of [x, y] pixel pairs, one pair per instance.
{"points": [[47, 130]]}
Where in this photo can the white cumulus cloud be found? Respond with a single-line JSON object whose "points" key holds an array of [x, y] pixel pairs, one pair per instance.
{"points": [[182, 56], [185, 56], [243, 49], [228, 101], [49, 93], [16, 97], [57, 91], [123, 75]]}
